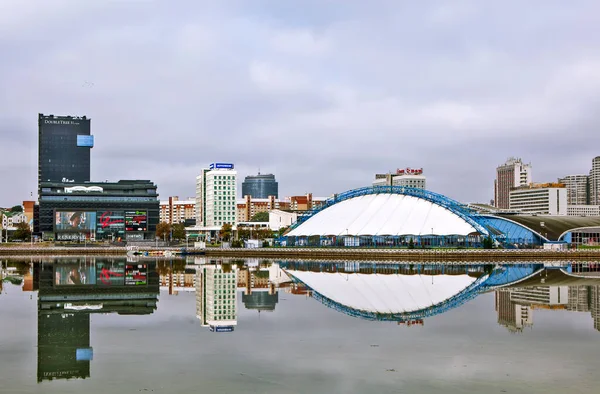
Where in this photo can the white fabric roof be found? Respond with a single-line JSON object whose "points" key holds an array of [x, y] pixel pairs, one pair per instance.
{"points": [[384, 214], [384, 293]]}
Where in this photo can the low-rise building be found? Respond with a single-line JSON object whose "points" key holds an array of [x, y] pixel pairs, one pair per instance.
{"points": [[407, 177], [248, 206], [281, 219], [583, 210], [542, 199]]}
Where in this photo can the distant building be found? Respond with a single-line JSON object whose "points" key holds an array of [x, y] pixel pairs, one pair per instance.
{"points": [[541, 296], [306, 203], [577, 189], [260, 186], [216, 297], [509, 175], [175, 211], [407, 177], [216, 195], [542, 199], [248, 206], [594, 182], [579, 298], [64, 149], [583, 210]]}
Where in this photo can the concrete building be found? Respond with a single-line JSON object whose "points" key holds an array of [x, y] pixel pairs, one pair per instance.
{"points": [[407, 177], [551, 296], [281, 219], [542, 199], [579, 298], [248, 207], [577, 189], [216, 297], [513, 173], [175, 211], [216, 196], [583, 210], [260, 186], [594, 182], [306, 203]]}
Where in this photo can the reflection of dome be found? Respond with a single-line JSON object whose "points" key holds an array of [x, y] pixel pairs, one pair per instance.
{"points": [[389, 297], [260, 300]]}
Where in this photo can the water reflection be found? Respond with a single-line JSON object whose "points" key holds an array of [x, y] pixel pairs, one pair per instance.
{"points": [[70, 290]]}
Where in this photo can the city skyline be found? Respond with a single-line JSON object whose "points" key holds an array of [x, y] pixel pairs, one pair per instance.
{"points": [[453, 84]]}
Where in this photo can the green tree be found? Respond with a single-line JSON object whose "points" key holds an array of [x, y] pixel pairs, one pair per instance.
{"points": [[163, 230], [488, 243], [411, 244], [225, 232], [260, 217], [179, 231], [243, 233], [282, 231], [17, 208], [23, 232]]}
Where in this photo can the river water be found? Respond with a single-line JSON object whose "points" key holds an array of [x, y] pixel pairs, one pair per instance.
{"points": [[94, 325]]}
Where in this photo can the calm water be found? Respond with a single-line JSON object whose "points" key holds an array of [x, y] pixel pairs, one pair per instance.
{"points": [[112, 326]]}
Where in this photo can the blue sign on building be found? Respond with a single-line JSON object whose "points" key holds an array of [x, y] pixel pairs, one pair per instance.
{"points": [[86, 141], [228, 166]]}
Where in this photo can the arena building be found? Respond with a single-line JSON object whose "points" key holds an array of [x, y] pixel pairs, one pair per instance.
{"points": [[396, 216]]}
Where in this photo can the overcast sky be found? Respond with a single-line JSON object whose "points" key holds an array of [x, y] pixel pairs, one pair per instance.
{"points": [[321, 93]]}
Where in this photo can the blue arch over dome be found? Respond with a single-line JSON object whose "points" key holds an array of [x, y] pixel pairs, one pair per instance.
{"points": [[461, 210]]}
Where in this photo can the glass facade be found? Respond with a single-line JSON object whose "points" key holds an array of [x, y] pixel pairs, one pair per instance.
{"points": [[260, 186], [61, 158], [124, 210]]}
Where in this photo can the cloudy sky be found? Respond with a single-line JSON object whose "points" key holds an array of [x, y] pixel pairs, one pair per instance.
{"points": [[322, 93]]}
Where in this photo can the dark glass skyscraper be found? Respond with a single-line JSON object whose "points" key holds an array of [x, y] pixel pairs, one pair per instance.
{"points": [[260, 186], [64, 149]]}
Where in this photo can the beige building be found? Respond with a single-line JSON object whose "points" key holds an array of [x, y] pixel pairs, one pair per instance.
{"points": [[513, 173], [306, 203], [248, 206], [175, 211], [407, 177]]}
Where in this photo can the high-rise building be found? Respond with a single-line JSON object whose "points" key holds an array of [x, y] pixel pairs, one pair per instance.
{"points": [[577, 189], [515, 317], [64, 149], [509, 175], [407, 177], [594, 182], [260, 186], [216, 195], [216, 297]]}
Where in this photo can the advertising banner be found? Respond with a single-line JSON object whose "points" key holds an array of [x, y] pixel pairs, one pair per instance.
{"points": [[75, 221], [136, 221], [136, 274], [74, 274], [110, 273], [110, 223]]}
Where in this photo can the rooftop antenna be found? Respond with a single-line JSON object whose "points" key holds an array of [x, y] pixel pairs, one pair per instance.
{"points": [[258, 170]]}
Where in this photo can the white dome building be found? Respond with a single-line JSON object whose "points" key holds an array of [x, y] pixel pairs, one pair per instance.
{"points": [[388, 216]]}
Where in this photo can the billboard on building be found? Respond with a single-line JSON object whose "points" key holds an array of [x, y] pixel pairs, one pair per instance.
{"points": [[86, 141], [74, 274], [75, 221], [110, 273], [136, 221], [110, 223], [136, 274]]}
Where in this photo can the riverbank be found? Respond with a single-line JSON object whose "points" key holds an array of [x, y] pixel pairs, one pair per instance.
{"points": [[450, 255]]}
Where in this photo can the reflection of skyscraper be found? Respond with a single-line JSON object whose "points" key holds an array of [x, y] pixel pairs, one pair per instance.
{"points": [[595, 305], [261, 300], [216, 297], [513, 316], [65, 305], [555, 297], [579, 299]]}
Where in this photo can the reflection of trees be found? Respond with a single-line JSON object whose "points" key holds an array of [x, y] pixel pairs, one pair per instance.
{"points": [[21, 266], [226, 267]]}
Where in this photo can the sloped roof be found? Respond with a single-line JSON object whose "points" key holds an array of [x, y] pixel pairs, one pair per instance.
{"points": [[554, 226]]}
